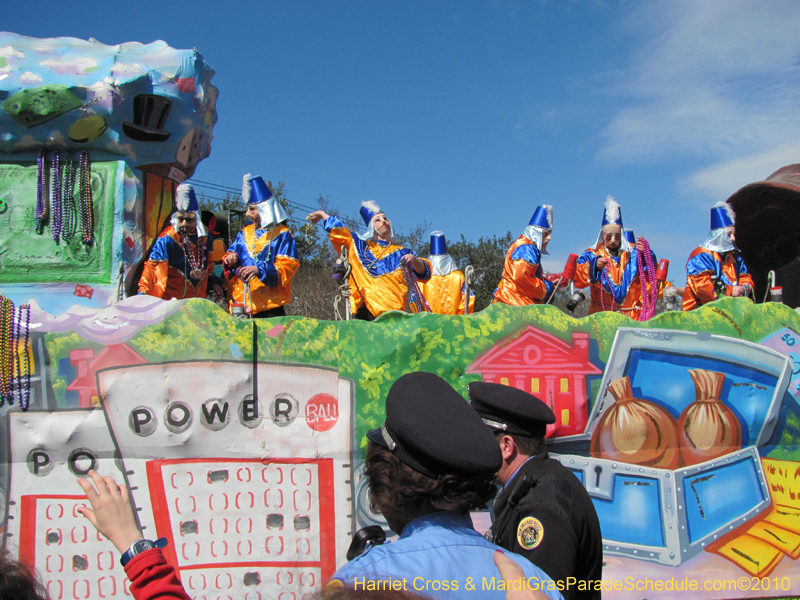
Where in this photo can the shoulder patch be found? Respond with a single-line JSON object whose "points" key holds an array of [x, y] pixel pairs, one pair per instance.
{"points": [[530, 533]]}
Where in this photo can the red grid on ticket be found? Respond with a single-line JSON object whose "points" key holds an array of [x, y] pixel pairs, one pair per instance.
{"points": [[237, 524], [71, 555]]}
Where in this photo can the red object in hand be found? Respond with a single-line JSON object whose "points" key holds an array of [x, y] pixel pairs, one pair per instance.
{"points": [[663, 269], [556, 277], [569, 268]]}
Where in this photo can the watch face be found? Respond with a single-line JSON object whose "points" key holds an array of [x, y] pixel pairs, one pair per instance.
{"points": [[141, 546]]}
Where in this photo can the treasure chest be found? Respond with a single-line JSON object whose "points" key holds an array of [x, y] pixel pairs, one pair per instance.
{"points": [[669, 455]]}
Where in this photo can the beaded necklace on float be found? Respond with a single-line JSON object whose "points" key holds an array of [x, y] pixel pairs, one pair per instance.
{"points": [[24, 402], [41, 192], [647, 277], [416, 301], [10, 362], [6, 348], [70, 216], [56, 222], [65, 213], [86, 208], [195, 259]]}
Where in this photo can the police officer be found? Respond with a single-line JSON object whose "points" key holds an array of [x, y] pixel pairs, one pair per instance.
{"points": [[543, 511], [425, 479]]}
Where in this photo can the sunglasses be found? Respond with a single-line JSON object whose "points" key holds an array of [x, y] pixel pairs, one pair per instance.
{"points": [[612, 236]]}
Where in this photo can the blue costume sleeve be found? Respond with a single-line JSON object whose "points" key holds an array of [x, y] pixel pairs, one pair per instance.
{"points": [[428, 272], [267, 273], [740, 266], [238, 246], [332, 222], [703, 262], [591, 258], [529, 253], [551, 288], [160, 249]]}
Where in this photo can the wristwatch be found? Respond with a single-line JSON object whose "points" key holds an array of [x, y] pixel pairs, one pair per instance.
{"points": [[140, 546]]}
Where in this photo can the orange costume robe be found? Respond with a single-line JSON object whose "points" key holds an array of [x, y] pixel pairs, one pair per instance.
{"points": [[625, 293], [523, 282], [445, 294], [702, 264], [274, 252], [167, 273], [376, 276]]}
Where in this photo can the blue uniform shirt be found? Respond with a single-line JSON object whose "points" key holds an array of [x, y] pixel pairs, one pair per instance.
{"points": [[442, 556]]}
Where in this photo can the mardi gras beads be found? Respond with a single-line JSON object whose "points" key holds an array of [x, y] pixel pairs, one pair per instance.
{"points": [[55, 197], [41, 192], [647, 277], [86, 208], [416, 302], [6, 348]]}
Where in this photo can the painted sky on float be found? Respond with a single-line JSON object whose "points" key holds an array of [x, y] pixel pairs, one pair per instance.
{"points": [[469, 114]]}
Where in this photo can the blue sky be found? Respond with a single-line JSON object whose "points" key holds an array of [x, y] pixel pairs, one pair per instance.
{"points": [[468, 114]]}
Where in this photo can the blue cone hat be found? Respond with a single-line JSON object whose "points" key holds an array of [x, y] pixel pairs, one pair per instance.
{"points": [[438, 244], [612, 213], [368, 211], [256, 191], [186, 199], [721, 216], [542, 217]]}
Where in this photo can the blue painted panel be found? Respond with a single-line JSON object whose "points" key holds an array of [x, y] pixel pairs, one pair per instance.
{"points": [[634, 514], [716, 497], [663, 377]]}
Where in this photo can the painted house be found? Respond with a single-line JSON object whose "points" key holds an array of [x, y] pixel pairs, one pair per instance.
{"points": [[550, 369]]}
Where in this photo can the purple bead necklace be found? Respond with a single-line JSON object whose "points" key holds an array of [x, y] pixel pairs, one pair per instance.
{"points": [[55, 197], [41, 193], [70, 217]]}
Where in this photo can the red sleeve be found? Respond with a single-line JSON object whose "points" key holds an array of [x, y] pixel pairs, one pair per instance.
{"points": [[152, 578]]}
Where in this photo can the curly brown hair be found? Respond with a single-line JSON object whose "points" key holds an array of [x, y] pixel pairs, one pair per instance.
{"points": [[392, 483], [17, 582]]}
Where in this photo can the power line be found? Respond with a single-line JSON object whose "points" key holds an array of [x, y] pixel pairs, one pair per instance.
{"points": [[224, 188]]}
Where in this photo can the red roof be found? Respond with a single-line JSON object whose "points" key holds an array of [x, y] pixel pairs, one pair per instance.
{"points": [[535, 351], [116, 355]]}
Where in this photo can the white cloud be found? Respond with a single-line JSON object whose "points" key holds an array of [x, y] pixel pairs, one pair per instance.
{"points": [[29, 78], [127, 72], [71, 66], [721, 179], [713, 79], [10, 51]]}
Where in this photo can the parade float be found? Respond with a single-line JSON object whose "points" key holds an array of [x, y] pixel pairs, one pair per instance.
{"points": [[242, 440]]}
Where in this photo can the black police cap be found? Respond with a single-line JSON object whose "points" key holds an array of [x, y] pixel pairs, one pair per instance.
{"points": [[508, 409], [433, 430]]}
